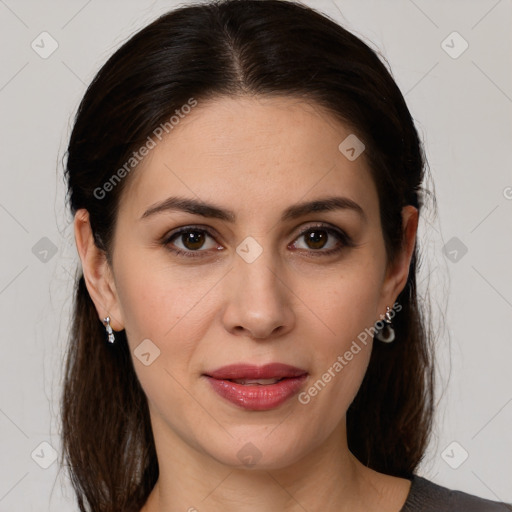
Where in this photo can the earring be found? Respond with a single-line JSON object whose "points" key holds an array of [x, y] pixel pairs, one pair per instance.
{"points": [[386, 333], [108, 328]]}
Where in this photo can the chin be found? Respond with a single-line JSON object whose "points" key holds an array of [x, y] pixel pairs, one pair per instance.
{"points": [[259, 451]]}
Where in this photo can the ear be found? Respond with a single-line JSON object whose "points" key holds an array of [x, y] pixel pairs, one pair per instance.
{"points": [[98, 275], [397, 272]]}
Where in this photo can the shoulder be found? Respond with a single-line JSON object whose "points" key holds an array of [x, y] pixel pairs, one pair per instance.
{"points": [[426, 496]]}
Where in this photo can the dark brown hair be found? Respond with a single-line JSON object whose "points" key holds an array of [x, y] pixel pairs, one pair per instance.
{"points": [[227, 48]]}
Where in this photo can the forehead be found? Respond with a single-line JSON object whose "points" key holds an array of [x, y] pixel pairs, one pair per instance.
{"points": [[250, 152]]}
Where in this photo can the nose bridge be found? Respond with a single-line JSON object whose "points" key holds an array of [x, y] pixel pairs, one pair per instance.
{"points": [[256, 270], [258, 275], [258, 298]]}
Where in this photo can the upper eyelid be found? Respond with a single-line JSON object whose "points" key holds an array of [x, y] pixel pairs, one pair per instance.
{"points": [[191, 227]]}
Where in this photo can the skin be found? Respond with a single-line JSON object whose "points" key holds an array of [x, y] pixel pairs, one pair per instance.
{"points": [[255, 156]]}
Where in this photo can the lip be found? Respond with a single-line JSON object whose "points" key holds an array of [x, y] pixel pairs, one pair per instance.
{"points": [[251, 371], [257, 397]]}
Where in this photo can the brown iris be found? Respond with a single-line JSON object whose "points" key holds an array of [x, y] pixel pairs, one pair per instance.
{"points": [[193, 240], [316, 239]]}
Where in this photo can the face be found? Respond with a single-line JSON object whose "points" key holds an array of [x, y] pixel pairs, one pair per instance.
{"points": [[257, 277]]}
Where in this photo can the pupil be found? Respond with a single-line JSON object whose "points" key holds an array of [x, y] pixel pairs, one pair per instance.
{"points": [[193, 240], [316, 239]]}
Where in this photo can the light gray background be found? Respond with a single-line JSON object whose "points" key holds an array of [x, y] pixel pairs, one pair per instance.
{"points": [[463, 109]]}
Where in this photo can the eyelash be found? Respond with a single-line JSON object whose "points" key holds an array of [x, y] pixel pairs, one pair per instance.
{"points": [[343, 238]]}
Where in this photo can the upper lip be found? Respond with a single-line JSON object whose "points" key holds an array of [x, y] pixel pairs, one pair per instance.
{"points": [[250, 371]]}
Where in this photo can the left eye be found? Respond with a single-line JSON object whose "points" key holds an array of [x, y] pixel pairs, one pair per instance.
{"points": [[319, 238]]}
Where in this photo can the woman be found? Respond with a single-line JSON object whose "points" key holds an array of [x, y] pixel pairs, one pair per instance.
{"points": [[246, 184]]}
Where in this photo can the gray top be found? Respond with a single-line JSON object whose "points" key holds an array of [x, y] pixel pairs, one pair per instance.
{"points": [[426, 496]]}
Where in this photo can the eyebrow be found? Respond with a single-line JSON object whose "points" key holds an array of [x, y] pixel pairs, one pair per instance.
{"points": [[295, 211]]}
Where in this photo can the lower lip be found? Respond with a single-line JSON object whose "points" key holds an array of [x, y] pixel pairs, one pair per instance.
{"points": [[258, 397]]}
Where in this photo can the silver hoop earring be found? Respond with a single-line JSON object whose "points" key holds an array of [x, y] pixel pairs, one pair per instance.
{"points": [[386, 334], [108, 328]]}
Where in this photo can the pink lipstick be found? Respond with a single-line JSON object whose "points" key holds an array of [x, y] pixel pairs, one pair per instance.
{"points": [[257, 388]]}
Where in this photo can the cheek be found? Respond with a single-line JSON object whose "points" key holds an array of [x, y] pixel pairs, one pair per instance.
{"points": [[346, 303], [158, 300], [347, 307], [172, 309]]}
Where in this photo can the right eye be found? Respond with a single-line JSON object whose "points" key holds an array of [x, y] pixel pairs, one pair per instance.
{"points": [[189, 240]]}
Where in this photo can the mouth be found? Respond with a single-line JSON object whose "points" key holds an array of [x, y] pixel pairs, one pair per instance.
{"points": [[259, 382], [257, 388]]}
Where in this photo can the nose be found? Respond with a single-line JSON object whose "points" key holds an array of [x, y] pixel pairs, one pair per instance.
{"points": [[258, 301]]}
